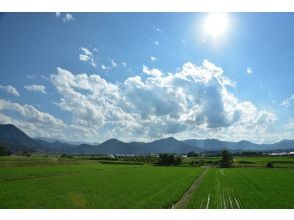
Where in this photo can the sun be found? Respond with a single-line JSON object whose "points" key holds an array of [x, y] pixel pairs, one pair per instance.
{"points": [[215, 25]]}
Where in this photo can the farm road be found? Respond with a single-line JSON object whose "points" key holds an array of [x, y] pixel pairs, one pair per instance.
{"points": [[181, 204]]}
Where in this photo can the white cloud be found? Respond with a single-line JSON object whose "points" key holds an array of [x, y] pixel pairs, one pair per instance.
{"points": [[67, 17], [156, 42], [44, 77], [113, 63], [151, 72], [87, 56], [105, 67], [31, 76], [95, 97], [289, 102], [10, 89], [152, 58], [39, 124], [33, 120], [86, 51], [290, 125], [83, 57], [157, 29], [249, 70], [124, 64], [36, 88], [29, 112], [192, 103]]}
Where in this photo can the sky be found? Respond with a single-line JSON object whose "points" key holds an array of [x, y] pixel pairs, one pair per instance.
{"points": [[145, 76]]}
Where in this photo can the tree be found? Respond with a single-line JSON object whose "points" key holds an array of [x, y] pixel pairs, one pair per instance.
{"points": [[3, 151], [192, 154], [201, 162], [25, 153], [269, 165], [227, 159], [169, 159]]}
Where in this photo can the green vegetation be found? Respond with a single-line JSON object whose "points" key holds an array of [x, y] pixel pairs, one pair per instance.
{"points": [[169, 159], [269, 165], [245, 188], [3, 151], [226, 160], [244, 161], [261, 161], [89, 184], [61, 181], [192, 154]]}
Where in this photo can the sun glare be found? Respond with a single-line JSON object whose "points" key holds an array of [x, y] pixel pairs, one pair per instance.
{"points": [[216, 24]]}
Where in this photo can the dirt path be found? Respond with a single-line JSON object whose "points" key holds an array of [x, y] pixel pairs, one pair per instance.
{"points": [[181, 204]]}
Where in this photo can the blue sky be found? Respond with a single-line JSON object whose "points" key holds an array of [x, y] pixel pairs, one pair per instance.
{"points": [[145, 76]]}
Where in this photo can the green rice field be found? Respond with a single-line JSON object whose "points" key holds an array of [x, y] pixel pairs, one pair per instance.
{"points": [[93, 185], [51, 182], [245, 188]]}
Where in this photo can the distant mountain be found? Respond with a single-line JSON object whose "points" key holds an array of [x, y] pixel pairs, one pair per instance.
{"points": [[209, 144], [51, 140], [114, 146], [59, 147], [167, 145], [214, 144], [54, 147], [170, 145], [15, 140], [284, 144]]}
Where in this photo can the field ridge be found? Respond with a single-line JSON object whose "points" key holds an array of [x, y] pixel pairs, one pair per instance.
{"points": [[181, 204]]}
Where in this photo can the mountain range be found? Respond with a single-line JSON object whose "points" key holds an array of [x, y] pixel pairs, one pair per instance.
{"points": [[16, 141]]}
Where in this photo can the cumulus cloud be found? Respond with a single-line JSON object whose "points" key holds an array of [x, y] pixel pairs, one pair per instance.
{"points": [[36, 88], [157, 29], [151, 72], [152, 58], [249, 70], [105, 67], [29, 112], [192, 103], [87, 56], [37, 123], [10, 89], [31, 76], [289, 102], [113, 63], [65, 18], [290, 125]]}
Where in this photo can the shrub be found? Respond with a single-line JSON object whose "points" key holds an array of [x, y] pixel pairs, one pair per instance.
{"points": [[65, 156], [169, 159], [201, 162], [227, 159], [25, 153], [3, 151], [192, 154], [269, 165]]}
